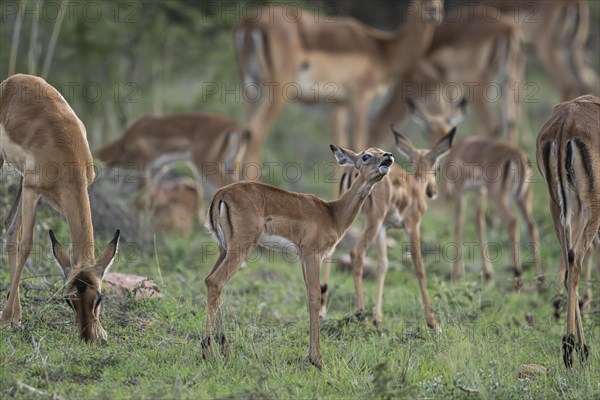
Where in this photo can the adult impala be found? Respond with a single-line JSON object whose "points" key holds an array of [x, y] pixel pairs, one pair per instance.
{"points": [[398, 202], [341, 64], [213, 143], [246, 214], [558, 30], [568, 158], [45, 142], [471, 54]]}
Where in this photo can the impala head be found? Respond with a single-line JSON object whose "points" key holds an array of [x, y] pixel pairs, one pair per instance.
{"points": [[436, 126], [83, 287], [373, 164], [425, 162]]}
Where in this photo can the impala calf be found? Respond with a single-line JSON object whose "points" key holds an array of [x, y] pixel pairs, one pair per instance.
{"points": [[45, 142], [568, 158], [398, 202], [246, 214], [213, 143]]}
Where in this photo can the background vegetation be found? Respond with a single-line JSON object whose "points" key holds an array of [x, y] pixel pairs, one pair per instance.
{"points": [[117, 61]]}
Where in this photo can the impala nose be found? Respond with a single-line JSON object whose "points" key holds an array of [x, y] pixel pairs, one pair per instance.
{"points": [[388, 159]]}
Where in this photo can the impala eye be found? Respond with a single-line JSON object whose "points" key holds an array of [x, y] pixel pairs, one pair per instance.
{"points": [[366, 157]]}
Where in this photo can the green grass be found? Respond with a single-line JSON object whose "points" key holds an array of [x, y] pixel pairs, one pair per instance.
{"points": [[154, 347]]}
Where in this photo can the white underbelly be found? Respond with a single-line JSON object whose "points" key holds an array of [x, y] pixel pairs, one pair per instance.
{"points": [[279, 243]]}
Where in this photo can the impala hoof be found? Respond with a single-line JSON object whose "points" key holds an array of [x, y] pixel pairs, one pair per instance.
{"points": [[206, 348], [317, 362], [568, 343]]}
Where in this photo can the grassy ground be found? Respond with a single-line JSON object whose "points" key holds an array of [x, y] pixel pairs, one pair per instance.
{"points": [[154, 347]]}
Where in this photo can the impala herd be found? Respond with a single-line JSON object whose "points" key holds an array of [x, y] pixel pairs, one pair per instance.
{"points": [[367, 72]]}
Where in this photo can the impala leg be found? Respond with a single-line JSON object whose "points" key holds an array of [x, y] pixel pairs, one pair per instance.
{"points": [[311, 270], [509, 219], [215, 281], [324, 288], [260, 123], [24, 213], [382, 266], [415, 249], [587, 297], [488, 270], [359, 122], [562, 284], [573, 315], [457, 270], [357, 256], [532, 230]]}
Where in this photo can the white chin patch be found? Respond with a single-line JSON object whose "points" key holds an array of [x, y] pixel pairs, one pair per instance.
{"points": [[384, 169]]}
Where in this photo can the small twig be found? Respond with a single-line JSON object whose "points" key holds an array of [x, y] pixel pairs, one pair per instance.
{"points": [[162, 283], [468, 390]]}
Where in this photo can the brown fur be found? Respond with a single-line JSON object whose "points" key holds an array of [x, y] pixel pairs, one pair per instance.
{"points": [[42, 138], [558, 31], [470, 49], [398, 202], [209, 138], [309, 49], [245, 214], [568, 158]]}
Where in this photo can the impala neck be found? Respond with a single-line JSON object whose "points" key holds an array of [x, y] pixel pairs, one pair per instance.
{"points": [[412, 40], [76, 208], [346, 208]]}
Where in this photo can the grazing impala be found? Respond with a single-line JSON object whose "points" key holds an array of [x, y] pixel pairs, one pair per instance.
{"points": [[214, 143], [246, 214], [45, 142], [300, 56], [569, 159], [495, 169], [398, 202]]}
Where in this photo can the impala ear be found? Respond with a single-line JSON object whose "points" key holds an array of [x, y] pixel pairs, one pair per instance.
{"points": [[458, 114], [60, 255], [107, 258], [419, 115], [404, 145], [344, 156], [235, 146], [442, 147]]}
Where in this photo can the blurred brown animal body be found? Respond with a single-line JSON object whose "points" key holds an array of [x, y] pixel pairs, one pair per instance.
{"points": [[213, 143], [568, 157], [508, 184], [246, 214], [398, 202], [558, 31], [174, 205], [470, 53], [338, 63], [44, 141]]}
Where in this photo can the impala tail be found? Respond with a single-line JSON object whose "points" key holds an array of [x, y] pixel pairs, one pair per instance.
{"points": [[219, 221]]}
